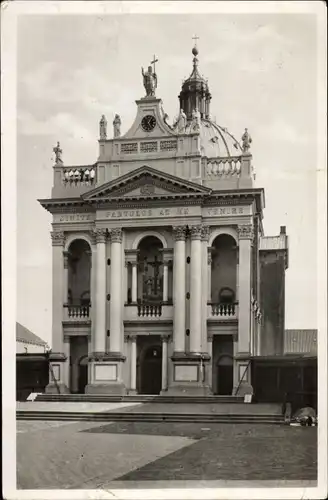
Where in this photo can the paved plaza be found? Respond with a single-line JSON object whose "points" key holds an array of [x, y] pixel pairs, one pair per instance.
{"points": [[90, 455]]}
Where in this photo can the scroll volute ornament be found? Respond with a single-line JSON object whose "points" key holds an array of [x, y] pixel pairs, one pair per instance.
{"points": [[58, 238], [100, 235], [196, 232], [116, 235], [245, 232]]}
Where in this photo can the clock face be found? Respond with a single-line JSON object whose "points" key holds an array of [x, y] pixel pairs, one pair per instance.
{"points": [[148, 123]]}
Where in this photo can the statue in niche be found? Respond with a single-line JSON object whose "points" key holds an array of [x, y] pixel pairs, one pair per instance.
{"points": [[117, 126], [149, 286], [180, 124], [247, 140], [103, 128], [149, 81], [195, 120]]}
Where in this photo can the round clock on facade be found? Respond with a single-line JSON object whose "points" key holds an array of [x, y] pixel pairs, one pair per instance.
{"points": [[148, 123]]}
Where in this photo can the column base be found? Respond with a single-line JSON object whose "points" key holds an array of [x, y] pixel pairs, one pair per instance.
{"points": [[132, 392], [189, 375], [60, 388], [106, 370]]}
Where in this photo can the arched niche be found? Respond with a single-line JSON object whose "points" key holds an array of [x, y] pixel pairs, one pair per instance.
{"points": [[224, 269], [79, 272], [143, 235]]}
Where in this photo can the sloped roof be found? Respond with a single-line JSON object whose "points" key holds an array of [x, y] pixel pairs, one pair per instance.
{"points": [[25, 335], [300, 341]]}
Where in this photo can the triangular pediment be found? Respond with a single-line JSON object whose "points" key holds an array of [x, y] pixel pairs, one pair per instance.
{"points": [[145, 182]]}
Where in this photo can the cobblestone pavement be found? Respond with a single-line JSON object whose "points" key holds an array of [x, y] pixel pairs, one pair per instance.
{"points": [[88, 455]]}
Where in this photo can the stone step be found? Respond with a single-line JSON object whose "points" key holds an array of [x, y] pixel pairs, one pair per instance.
{"points": [[103, 398], [149, 417]]}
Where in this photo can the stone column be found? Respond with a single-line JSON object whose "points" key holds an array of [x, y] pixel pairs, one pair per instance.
{"points": [[58, 240], [205, 237], [179, 288], [165, 280], [210, 366], [116, 291], [237, 276], [65, 284], [244, 280], [133, 382], [100, 303], [134, 291], [165, 339], [195, 289], [209, 274], [93, 290]]}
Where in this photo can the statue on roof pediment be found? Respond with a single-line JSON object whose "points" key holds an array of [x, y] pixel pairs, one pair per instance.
{"points": [[149, 81]]}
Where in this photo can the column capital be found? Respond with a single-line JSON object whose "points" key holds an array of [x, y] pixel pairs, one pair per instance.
{"points": [[205, 233], [100, 235], [245, 232], [58, 238], [210, 337], [165, 337], [179, 233], [132, 337], [66, 255], [116, 235], [196, 232]]}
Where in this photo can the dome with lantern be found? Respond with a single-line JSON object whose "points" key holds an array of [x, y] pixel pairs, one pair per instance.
{"points": [[195, 97]]}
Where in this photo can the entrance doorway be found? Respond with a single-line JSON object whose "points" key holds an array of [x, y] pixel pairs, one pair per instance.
{"points": [[78, 364], [222, 367], [149, 380], [83, 374], [225, 375]]}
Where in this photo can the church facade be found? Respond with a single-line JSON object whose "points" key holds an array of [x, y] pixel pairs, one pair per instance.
{"points": [[159, 257]]}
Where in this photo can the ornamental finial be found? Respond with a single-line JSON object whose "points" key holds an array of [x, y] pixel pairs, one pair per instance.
{"points": [[247, 140], [58, 154]]}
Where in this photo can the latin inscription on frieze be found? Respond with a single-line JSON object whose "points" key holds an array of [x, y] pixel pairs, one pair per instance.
{"points": [[145, 213], [74, 217], [150, 212], [222, 211]]}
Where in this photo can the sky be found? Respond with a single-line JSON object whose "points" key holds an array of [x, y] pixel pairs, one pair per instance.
{"points": [[261, 70]]}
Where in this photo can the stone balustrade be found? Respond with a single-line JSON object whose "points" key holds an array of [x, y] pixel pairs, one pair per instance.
{"points": [[150, 310], [144, 312], [76, 312], [79, 176], [224, 311], [223, 167]]}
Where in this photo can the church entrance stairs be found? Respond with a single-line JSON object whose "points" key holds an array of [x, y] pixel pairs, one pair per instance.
{"points": [[155, 412]]}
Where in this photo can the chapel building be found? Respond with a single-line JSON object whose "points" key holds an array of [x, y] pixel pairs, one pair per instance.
{"points": [[163, 280]]}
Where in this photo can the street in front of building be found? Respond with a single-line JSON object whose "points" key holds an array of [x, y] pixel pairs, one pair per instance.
{"points": [[91, 455]]}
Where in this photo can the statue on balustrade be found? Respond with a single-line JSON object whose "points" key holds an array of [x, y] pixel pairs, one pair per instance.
{"points": [[195, 120], [247, 141], [181, 122], [58, 154], [117, 126], [103, 128]]}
